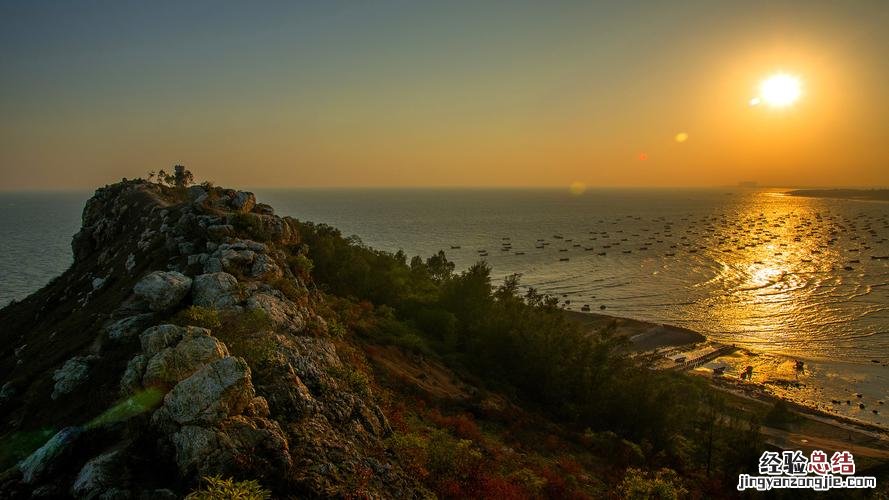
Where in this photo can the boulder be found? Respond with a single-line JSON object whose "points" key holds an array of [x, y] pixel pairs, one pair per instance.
{"points": [[131, 381], [98, 476], [241, 445], [265, 267], [163, 289], [176, 363], [128, 327], [216, 290], [243, 201], [158, 338], [282, 312], [220, 231], [217, 391], [263, 209], [44, 460], [73, 373]]}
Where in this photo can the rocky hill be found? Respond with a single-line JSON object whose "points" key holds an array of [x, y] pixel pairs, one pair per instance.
{"points": [[183, 342]]}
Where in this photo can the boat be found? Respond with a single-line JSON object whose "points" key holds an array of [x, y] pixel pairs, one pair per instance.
{"points": [[564, 259], [455, 247]]}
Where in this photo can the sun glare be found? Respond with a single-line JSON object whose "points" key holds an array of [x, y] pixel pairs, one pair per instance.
{"points": [[780, 90]]}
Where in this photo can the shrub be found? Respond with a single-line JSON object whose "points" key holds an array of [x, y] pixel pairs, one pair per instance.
{"points": [[248, 334], [452, 458], [203, 317], [664, 484], [300, 265], [462, 425], [412, 452], [251, 225], [354, 379], [216, 488], [290, 289]]}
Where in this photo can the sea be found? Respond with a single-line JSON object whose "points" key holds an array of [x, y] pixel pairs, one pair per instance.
{"points": [[785, 278]]}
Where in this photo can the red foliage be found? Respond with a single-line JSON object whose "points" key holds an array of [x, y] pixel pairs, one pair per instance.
{"points": [[500, 488], [556, 487], [570, 465], [462, 425]]}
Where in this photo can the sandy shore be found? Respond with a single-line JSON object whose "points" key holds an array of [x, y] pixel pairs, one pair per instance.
{"points": [[643, 336], [817, 428]]}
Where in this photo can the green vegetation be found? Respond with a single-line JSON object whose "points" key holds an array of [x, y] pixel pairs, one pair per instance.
{"points": [[520, 344], [251, 225], [203, 317], [663, 484], [245, 333], [216, 488]]}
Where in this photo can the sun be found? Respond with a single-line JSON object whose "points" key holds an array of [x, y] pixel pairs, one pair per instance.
{"points": [[780, 90]]}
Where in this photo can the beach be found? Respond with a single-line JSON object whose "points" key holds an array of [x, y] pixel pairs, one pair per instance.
{"points": [[816, 426]]}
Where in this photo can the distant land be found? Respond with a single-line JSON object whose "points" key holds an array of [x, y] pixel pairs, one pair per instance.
{"points": [[849, 194]]}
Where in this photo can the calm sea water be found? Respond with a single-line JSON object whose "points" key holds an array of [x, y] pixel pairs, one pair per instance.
{"points": [[777, 274]]}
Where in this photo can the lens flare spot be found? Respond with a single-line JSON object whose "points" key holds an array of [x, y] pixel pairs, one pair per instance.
{"points": [[681, 137], [577, 188], [643, 156]]}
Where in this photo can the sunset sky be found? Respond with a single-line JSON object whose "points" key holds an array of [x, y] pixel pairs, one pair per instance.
{"points": [[412, 93]]}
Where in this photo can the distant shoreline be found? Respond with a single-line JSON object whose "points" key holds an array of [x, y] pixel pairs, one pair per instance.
{"points": [[643, 335], [843, 194]]}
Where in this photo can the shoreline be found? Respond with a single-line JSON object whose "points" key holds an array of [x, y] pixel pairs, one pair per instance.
{"points": [[643, 335], [818, 425]]}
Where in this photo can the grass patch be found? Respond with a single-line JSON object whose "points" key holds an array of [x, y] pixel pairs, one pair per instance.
{"points": [[216, 488]]}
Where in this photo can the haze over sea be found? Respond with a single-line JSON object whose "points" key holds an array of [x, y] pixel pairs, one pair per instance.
{"points": [[791, 276]]}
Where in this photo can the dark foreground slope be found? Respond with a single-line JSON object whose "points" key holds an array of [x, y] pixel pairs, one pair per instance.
{"points": [[135, 402]]}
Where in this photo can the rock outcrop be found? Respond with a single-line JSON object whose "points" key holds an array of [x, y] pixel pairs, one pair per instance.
{"points": [[190, 353], [163, 289]]}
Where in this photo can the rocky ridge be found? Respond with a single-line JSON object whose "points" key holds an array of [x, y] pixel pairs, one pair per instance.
{"points": [[182, 343]]}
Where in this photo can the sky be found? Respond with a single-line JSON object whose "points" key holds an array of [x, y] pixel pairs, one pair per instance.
{"points": [[415, 93]]}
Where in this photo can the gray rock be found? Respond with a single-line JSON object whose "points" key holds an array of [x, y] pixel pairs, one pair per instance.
{"points": [[163, 289], [186, 248], [243, 201], [234, 259], [198, 258], [98, 476], [265, 267], [128, 327], [217, 391], [263, 209], [73, 373], [176, 363], [216, 290], [218, 450], [212, 265], [159, 337], [131, 381], [282, 312], [43, 460], [219, 231], [7, 392]]}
